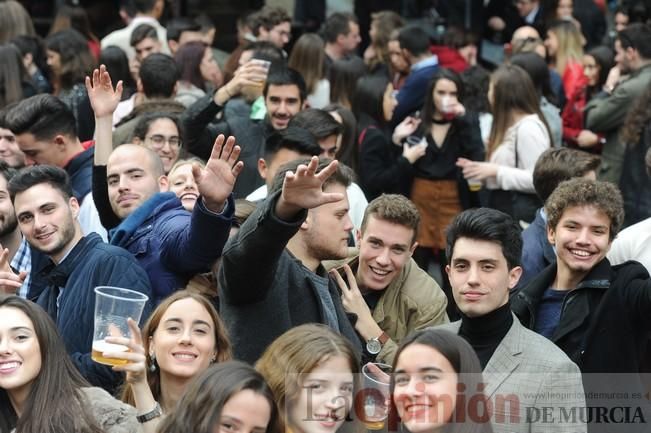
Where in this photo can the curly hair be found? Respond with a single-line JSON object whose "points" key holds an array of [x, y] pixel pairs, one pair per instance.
{"points": [[637, 119], [604, 196]]}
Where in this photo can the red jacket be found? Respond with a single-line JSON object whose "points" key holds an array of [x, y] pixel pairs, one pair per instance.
{"points": [[573, 119], [449, 58], [573, 78]]}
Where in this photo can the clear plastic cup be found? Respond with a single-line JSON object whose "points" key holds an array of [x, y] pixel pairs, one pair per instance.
{"points": [[372, 406], [414, 140], [113, 306]]}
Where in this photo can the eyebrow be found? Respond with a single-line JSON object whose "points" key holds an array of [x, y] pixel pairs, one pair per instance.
{"points": [[194, 322], [421, 370], [21, 328], [239, 422]]}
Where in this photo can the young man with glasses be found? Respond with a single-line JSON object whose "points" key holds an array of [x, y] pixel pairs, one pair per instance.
{"points": [[161, 133]]}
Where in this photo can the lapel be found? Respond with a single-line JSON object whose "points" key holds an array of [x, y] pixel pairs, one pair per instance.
{"points": [[505, 359]]}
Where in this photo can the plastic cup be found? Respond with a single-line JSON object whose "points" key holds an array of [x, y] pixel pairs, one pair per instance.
{"points": [[414, 140], [113, 306], [371, 404], [474, 185]]}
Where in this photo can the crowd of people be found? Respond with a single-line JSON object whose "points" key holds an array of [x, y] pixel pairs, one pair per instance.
{"points": [[460, 214]]}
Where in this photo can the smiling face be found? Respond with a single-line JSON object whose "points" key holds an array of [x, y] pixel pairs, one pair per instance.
{"points": [[20, 353], [8, 222], [327, 227], [163, 138], [325, 398], [480, 277], [183, 185], [130, 179], [48, 220], [425, 388], [245, 412], [582, 239], [282, 102], [184, 342], [384, 249]]}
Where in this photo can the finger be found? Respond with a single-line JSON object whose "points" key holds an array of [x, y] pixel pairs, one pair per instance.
{"points": [[340, 281], [130, 368], [227, 148], [301, 170], [95, 77], [328, 170], [131, 357], [119, 88], [89, 88], [237, 169], [234, 155], [22, 275], [331, 197], [312, 166], [197, 172], [4, 258], [136, 335], [217, 147], [352, 282]]}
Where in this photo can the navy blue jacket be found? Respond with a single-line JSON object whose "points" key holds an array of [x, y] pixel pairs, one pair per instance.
{"points": [[411, 95], [89, 264], [537, 252], [80, 170], [172, 244]]}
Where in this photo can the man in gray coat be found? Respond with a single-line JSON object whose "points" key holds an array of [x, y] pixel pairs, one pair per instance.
{"points": [[271, 278], [626, 81], [533, 387]]}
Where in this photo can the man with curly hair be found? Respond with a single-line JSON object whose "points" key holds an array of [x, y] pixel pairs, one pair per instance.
{"points": [[596, 313]]}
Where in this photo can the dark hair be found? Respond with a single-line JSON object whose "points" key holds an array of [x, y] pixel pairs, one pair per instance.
{"points": [[556, 165], [414, 39], [12, 75], [368, 98], [159, 74], [486, 224], [286, 77], [145, 121], [73, 17], [604, 58], [117, 64], [269, 17], [337, 24], [339, 177], [265, 50], [293, 138], [318, 122], [205, 22], [7, 171], [76, 59], [463, 359], [43, 116], [34, 175], [638, 37], [142, 32], [347, 152], [55, 402], [177, 26], [34, 46], [188, 59], [476, 81], [200, 408], [538, 71], [143, 6], [343, 76], [427, 113], [604, 196]]}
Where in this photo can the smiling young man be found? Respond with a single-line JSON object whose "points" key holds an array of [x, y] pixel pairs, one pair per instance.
{"points": [[384, 287], [483, 250], [47, 214]]}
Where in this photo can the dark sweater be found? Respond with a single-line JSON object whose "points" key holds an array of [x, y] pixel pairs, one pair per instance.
{"points": [[486, 332]]}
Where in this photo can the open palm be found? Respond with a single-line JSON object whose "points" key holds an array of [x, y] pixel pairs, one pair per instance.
{"points": [[216, 180], [304, 188], [103, 97]]}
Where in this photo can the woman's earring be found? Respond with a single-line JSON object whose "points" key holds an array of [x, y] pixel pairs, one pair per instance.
{"points": [[152, 366]]}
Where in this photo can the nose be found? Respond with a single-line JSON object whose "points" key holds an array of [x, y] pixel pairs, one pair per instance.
{"points": [[335, 400], [383, 257], [348, 223], [583, 237], [473, 276], [123, 184], [186, 336], [415, 387], [4, 345]]}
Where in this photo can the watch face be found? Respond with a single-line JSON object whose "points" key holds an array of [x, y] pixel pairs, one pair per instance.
{"points": [[373, 346]]}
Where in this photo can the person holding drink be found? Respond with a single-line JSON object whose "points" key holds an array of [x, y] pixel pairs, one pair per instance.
{"points": [[439, 190], [182, 338], [40, 388], [47, 214]]}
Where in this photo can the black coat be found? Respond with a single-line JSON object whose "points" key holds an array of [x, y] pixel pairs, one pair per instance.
{"points": [[604, 322]]}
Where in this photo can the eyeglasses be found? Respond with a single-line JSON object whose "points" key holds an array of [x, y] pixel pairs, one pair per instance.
{"points": [[158, 141]]}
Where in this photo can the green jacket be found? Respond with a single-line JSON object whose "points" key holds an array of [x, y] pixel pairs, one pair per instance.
{"points": [[412, 301], [606, 115]]}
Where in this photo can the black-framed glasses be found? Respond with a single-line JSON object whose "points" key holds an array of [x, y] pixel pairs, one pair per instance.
{"points": [[158, 141]]}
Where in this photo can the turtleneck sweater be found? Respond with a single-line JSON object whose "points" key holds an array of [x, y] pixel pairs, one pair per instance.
{"points": [[485, 333]]}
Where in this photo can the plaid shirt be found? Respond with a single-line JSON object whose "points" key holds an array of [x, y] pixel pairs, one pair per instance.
{"points": [[22, 261]]}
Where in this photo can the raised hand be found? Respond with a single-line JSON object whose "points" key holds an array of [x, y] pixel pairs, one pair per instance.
{"points": [[103, 97], [215, 182], [10, 281], [303, 189]]}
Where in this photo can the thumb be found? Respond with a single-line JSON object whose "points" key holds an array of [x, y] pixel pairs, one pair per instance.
{"points": [[196, 172], [22, 275]]}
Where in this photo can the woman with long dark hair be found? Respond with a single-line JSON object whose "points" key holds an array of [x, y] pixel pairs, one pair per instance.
{"points": [[229, 397], [442, 369], [198, 70], [385, 164], [40, 388]]}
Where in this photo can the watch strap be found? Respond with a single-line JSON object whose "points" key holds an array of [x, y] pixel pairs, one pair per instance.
{"points": [[154, 413], [383, 338]]}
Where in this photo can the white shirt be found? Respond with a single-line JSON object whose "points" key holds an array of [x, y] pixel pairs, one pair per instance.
{"points": [[633, 243], [122, 37]]}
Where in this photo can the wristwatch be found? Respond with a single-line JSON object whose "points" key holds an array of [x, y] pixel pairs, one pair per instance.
{"points": [[154, 413], [374, 345]]}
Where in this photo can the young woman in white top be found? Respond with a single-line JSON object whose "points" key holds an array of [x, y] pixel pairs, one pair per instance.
{"points": [[519, 134]]}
